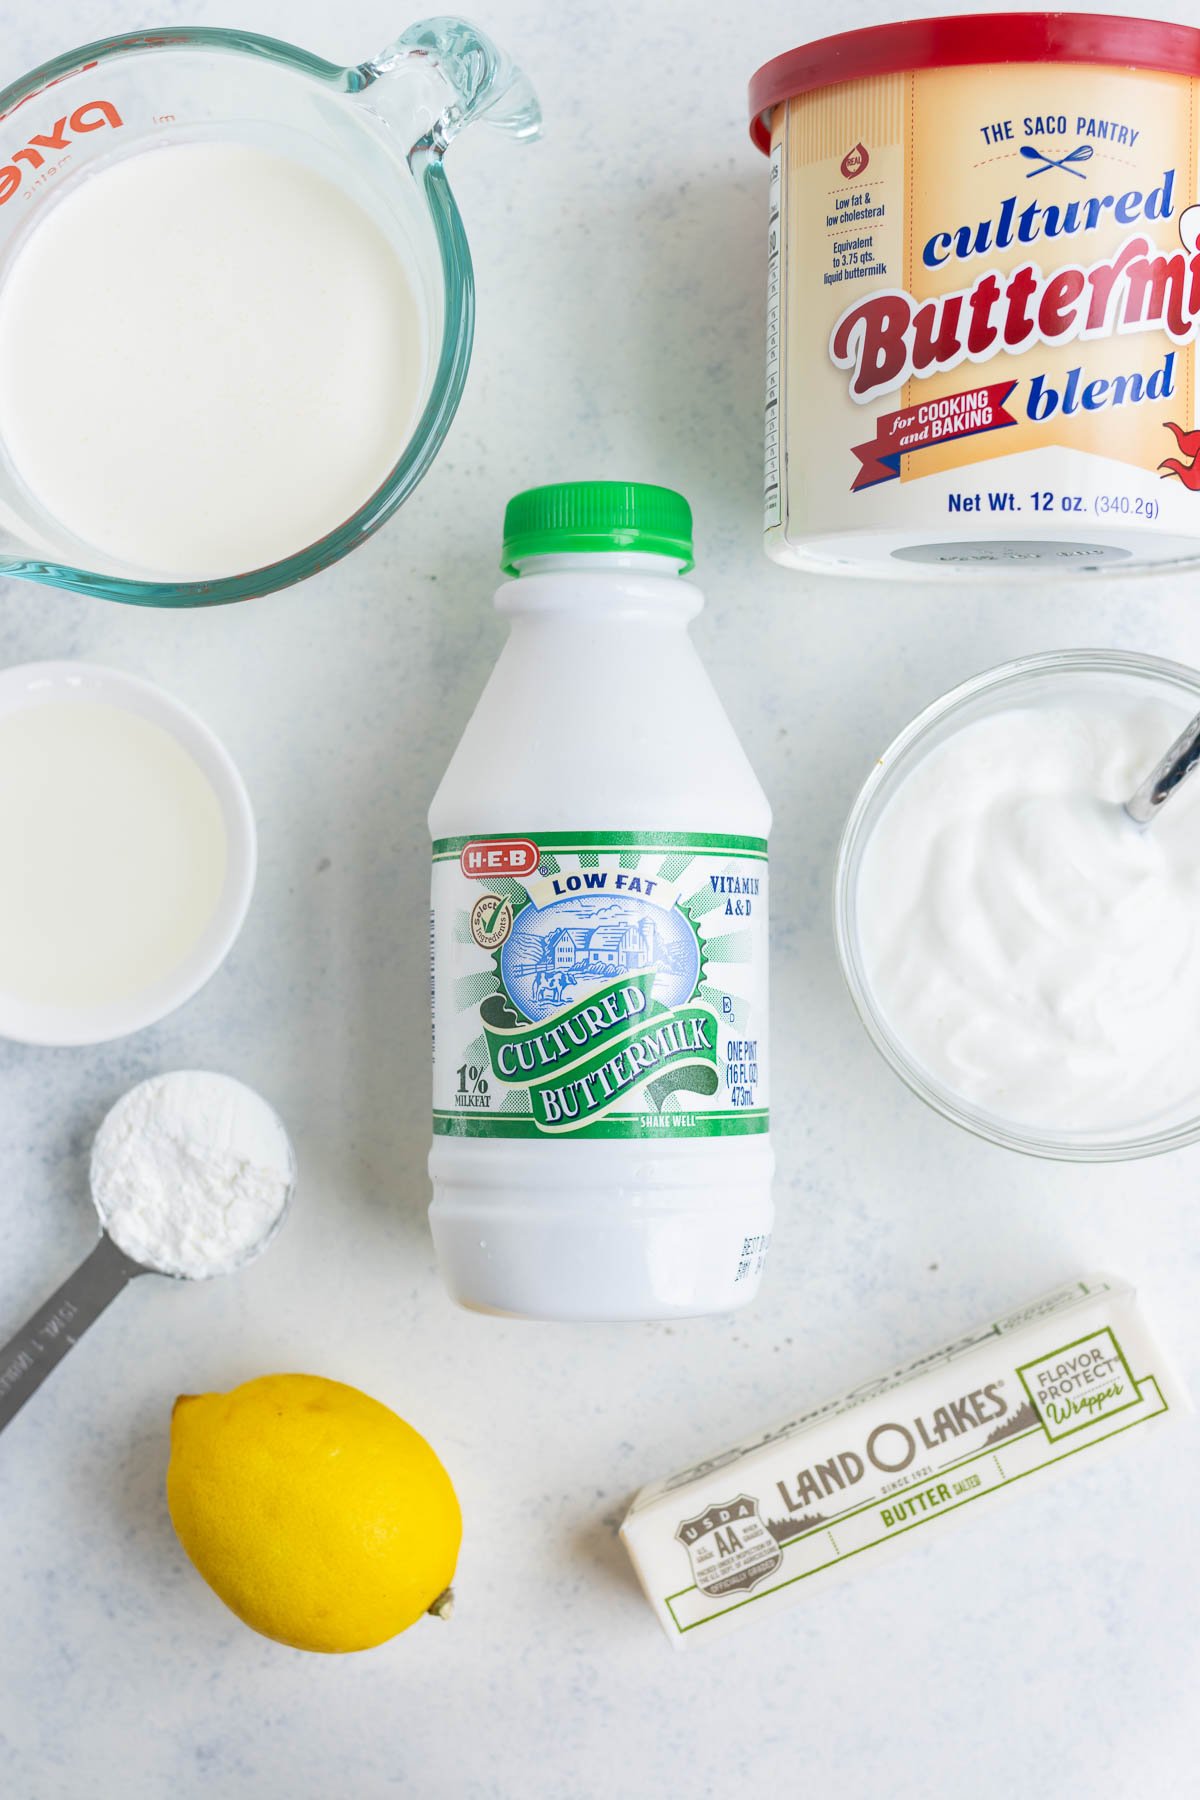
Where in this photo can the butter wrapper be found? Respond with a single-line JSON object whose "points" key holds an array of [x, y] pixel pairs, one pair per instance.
{"points": [[749, 1530]]}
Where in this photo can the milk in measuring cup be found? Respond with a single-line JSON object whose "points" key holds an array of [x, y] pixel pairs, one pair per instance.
{"points": [[210, 356], [599, 927]]}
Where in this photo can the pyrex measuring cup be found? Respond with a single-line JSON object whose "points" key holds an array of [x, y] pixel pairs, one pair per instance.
{"points": [[378, 129]]}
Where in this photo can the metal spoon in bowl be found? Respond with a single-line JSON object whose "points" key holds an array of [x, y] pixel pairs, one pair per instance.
{"points": [[1166, 775], [57, 1325]]}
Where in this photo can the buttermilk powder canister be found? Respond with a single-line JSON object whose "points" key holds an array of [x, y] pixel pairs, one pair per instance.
{"points": [[984, 288]]}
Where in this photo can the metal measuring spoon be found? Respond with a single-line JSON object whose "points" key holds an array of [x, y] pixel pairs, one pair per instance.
{"points": [[1166, 776], [58, 1324]]}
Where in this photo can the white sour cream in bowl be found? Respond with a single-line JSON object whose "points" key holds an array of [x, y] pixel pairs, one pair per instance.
{"points": [[1026, 957]]}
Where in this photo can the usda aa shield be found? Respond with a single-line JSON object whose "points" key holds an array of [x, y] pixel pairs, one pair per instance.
{"points": [[730, 1548]]}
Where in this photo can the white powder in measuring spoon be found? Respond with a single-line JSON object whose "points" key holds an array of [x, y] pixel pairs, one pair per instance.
{"points": [[191, 1173]]}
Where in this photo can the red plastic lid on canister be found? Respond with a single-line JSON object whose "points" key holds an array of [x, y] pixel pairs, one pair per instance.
{"points": [[970, 38]]}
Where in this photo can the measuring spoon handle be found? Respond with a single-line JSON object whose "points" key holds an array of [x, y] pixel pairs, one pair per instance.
{"points": [[43, 1341], [1178, 763]]}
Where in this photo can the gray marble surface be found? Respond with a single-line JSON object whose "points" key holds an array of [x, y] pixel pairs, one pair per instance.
{"points": [[1047, 1649]]}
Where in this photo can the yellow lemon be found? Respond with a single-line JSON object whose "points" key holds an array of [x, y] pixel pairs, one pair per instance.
{"points": [[317, 1515]]}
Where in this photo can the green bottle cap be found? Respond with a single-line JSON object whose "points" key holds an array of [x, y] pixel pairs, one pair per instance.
{"points": [[596, 515]]}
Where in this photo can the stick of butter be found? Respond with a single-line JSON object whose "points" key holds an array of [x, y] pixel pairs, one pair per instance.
{"points": [[746, 1530]]}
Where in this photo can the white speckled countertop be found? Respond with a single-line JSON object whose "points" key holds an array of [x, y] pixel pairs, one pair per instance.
{"points": [[1046, 1650]]}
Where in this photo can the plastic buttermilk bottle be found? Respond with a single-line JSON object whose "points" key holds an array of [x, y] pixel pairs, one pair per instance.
{"points": [[599, 928]]}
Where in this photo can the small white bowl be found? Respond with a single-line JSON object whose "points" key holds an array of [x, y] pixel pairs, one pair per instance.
{"points": [[34, 684]]}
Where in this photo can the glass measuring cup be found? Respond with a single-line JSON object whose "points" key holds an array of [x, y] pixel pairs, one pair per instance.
{"points": [[379, 130], [58, 1324]]}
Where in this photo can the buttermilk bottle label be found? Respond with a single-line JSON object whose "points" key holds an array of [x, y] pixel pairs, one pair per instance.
{"points": [[599, 984]]}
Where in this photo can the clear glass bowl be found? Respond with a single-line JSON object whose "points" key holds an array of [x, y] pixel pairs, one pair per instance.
{"points": [[1012, 684], [379, 129]]}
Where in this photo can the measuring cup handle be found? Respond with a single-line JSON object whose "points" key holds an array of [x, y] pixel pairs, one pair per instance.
{"points": [[43, 1341], [452, 74]]}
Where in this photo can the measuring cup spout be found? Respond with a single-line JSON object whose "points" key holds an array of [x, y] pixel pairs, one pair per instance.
{"points": [[448, 74]]}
